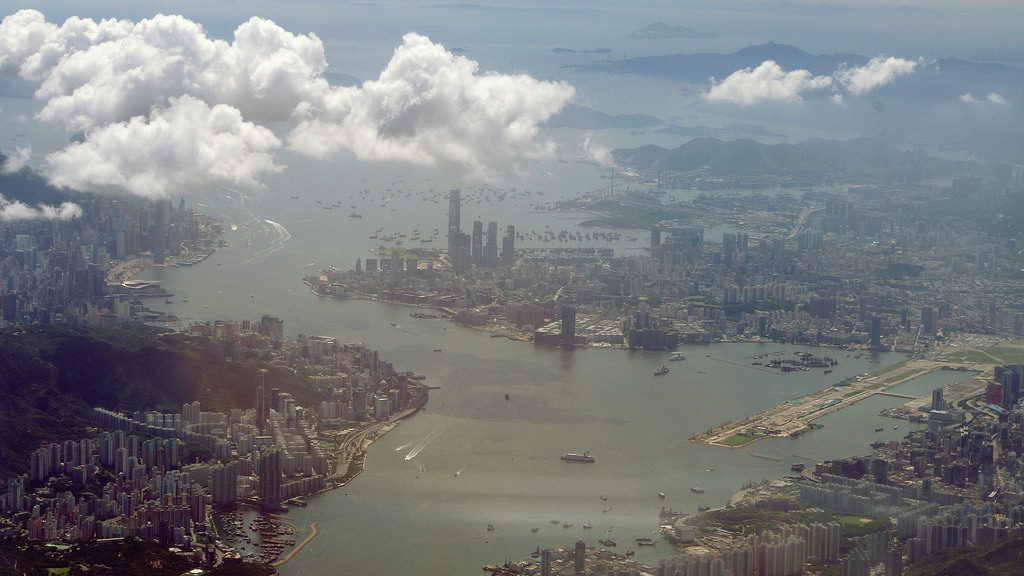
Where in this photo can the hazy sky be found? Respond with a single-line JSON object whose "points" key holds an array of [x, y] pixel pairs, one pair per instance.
{"points": [[178, 96]]}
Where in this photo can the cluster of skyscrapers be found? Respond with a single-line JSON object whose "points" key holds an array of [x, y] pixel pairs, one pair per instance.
{"points": [[465, 251], [56, 270]]}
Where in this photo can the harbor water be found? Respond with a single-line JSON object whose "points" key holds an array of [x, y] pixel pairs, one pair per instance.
{"points": [[474, 457]]}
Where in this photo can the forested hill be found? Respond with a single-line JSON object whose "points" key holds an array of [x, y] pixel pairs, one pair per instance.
{"points": [[52, 376]]}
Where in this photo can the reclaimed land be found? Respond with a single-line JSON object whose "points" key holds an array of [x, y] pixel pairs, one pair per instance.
{"points": [[796, 417]]}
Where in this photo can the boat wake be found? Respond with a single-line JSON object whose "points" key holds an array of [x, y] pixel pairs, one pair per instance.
{"points": [[266, 236], [403, 447], [422, 444]]}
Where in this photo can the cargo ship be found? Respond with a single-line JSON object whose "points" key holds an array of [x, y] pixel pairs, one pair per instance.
{"points": [[573, 457]]}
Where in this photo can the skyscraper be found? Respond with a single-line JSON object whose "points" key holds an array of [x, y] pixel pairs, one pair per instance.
{"points": [[261, 401], [876, 332], [491, 249], [478, 242], [928, 320], [568, 327], [508, 245], [268, 470], [454, 219], [580, 556]]}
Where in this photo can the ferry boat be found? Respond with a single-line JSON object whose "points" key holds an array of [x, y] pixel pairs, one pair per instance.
{"points": [[660, 371], [677, 357], [573, 457], [697, 490]]}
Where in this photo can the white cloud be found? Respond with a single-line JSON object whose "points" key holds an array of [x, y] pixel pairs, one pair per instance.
{"points": [[92, 74], [766, 82], [597, 153], [20, 211], [992, 98], [995, 98], [429, 106], [188, 146], [878, 72], [17, 161], [115, 79]]}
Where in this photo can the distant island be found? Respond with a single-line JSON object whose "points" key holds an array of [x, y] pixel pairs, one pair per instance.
{"points": [[560, 50], [584, 118], [662, 31]]}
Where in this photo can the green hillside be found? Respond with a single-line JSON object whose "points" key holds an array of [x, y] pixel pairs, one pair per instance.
{"points": [[52, 376]]}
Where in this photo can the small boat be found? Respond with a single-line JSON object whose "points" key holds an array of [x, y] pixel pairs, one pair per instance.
{"points": [[697, 490], [677, 358], [660, 371], [588, 526], [554, 521], [878, 429], [534, 529], [661, 494], [573, 457], [490, 528], [506, 397], [566, 524], [437, 349]]}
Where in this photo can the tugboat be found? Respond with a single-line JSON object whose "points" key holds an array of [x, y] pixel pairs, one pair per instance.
{"points": [[660, 371]]}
